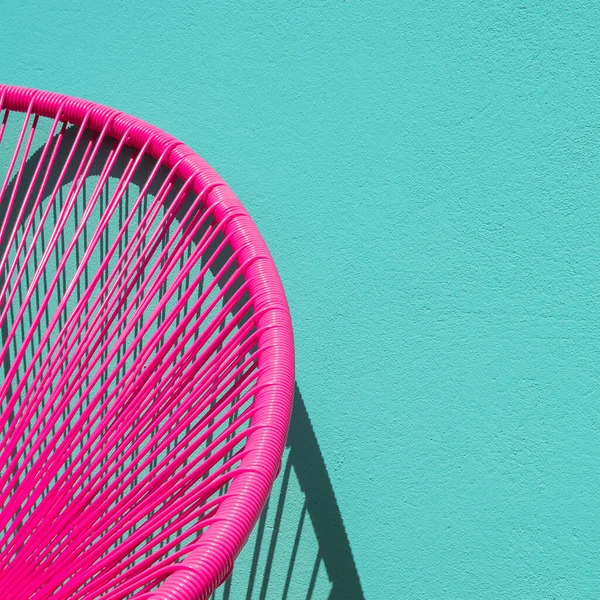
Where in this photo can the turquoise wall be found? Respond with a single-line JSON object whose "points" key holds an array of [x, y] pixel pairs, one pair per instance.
{"points": [[426, 175]]}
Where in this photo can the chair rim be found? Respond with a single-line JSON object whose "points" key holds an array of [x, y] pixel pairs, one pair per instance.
{"points": [[210, 561]]}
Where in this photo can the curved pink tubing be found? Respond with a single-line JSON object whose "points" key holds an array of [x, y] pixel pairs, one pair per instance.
{"points": [[211, 558]]}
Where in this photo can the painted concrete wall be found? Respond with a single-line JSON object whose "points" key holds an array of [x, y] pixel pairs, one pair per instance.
{"points": [[426, 175]]}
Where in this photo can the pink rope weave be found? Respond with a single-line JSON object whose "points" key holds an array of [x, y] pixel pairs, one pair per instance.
{"points": [[147, 357]]}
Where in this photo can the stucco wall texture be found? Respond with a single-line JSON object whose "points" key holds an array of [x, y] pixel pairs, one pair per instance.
{"points": [[426, 176]]}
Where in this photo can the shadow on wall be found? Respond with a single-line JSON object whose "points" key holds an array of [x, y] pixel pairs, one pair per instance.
{"points": [[299, 548]]}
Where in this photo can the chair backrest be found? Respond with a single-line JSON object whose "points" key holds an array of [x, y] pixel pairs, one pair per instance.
{"points": [[147, 359]]}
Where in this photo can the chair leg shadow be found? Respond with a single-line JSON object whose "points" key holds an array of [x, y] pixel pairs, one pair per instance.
{"points": [[299, 548]]}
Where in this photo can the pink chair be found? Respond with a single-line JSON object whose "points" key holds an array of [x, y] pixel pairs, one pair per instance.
{"points": [[147, 353]]}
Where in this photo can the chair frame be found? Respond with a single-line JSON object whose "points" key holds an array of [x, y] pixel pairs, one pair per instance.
{"points": [[211, 561]]}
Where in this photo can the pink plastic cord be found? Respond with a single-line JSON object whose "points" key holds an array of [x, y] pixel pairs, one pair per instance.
{"points": [[148, 361]]}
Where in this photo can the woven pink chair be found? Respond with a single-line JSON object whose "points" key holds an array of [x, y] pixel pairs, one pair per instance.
{"points": [[147, 355]]}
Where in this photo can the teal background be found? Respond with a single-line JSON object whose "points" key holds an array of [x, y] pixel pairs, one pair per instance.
{"points": [[426, 176]]}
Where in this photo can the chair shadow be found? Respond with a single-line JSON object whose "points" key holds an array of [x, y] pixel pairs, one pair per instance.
{"points": [[332, 572], [288, 555]]}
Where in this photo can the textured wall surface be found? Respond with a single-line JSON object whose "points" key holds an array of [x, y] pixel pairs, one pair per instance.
{"points": [[426, 175]]}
